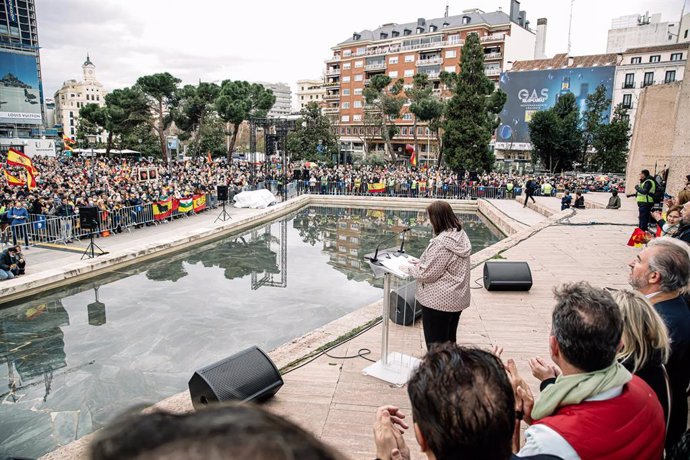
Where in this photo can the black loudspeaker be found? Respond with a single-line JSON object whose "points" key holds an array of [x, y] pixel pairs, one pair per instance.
{"points": [[249, 375], [222, 191], [507, 276], [404, 309], [88, 217]]}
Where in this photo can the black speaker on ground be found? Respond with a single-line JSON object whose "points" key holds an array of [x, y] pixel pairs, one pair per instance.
{"points": [[249, 375], [404, 309], [88, 217], [507, 276], [222, 191]]}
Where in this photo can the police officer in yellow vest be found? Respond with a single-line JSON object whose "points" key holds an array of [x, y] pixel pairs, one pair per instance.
{"points": [[645, 198], [546, 189], [509, 188]]}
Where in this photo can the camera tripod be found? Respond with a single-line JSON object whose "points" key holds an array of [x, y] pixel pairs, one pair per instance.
{"points": [[223, 216], [90, 251]]}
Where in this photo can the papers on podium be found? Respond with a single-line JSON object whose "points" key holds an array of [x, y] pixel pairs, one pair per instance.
{"points": [[393, 263]]}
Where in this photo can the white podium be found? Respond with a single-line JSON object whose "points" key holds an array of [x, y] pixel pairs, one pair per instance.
{"points": [[393, 367]]}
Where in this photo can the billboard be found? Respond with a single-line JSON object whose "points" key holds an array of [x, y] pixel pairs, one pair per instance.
{"points": [[20, 96], [531, 91]]}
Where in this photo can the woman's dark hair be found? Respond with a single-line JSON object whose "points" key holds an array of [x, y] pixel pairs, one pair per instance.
{"points": [[442, 217]]}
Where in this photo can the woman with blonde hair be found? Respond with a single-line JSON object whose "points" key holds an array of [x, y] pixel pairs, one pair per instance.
{"points": [[645, 343]]}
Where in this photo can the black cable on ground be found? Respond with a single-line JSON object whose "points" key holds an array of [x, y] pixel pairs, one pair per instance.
{"points": [[361, 353], [479, 286]]}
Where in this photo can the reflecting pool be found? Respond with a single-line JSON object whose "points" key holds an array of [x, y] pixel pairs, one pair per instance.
{"points": [[76, 357]]}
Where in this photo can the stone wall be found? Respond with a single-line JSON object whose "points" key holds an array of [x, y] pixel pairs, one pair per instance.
{"points": [[680, 154]]}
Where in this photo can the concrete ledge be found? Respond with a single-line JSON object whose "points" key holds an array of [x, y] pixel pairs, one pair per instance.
{"points": [[498, 218]]}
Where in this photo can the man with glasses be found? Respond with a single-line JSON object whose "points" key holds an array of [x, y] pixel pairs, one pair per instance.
{"points": [[683, 232]]}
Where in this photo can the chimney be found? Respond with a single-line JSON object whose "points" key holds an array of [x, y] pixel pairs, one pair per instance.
{"points": [[540, 43], [514, 10], [421, 22], [522, 18]]}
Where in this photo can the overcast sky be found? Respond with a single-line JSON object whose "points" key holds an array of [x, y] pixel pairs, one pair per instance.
{"points": [[270, 40]]}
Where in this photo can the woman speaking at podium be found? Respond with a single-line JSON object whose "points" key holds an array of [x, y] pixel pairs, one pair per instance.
{"points": [[443, 275]]}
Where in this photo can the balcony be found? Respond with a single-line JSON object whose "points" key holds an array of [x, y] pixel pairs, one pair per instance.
{"points": [[333, 72], [492, 56], [331, 97], [429, 61], [432, 75], [375, 66], [492, 71], [331, 84], [335, 58], [628, 85], [331, 109], [492, 38]]}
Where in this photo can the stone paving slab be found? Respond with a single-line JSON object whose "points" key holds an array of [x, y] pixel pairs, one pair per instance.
{"points": [[331, 397]]}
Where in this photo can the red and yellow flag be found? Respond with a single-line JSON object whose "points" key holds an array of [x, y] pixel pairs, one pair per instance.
{"points": [[377, 187], [68, 140], [17, 158], [13, 181], [208, 157], [413, 155]]}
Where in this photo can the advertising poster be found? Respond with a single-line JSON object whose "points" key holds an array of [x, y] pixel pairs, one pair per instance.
{"points": [[531, 91], [20, 98]]}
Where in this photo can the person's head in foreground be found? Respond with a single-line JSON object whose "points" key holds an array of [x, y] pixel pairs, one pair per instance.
{"points": [[663, 266], [462, 404], [223, 432], [442, 217]]}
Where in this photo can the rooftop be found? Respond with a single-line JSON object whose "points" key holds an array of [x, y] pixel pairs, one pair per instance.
{"points": [[563, 60], [651, 49]]}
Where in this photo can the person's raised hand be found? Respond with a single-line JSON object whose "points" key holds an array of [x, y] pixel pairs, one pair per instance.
{"points": [[524, 400], [388, 430], [543, 370], [497, 351]]}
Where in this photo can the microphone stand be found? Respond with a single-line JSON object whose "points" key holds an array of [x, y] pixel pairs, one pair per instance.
{"points": [[376, 253], [402, 244]]}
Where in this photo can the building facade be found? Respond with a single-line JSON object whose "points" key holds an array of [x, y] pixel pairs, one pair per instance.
{"points": [[427, 46], [283, 105], [643, 67], [309, 91], [635, 31], [73, 96], [21, 84]]}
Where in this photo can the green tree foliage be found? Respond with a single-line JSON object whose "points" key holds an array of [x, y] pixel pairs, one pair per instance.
{"points": [[240, 100], [556, 135], [313, 129], [159, 90], [611, 141], [471, 114], [385, 97], [92, 121], [594, 116], [195, 104], [424, 106]]}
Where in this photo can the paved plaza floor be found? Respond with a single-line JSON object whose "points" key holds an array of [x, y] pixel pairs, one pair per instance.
{"points": [[333, 399]]}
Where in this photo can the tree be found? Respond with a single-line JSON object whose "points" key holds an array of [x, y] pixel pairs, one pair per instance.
{"points": [[313, 139], [160, 90], [556, 135], [594, 116], [194, 106], [383, 96], [424, 106], [611, 141], [472, 111], [240, 100], [92, 121]]}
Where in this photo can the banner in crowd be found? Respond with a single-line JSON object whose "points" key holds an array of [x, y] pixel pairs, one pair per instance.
{"points": [[638, 238], [17, 158], [378, 187], [13, 181], [162, 209], [185, 205], [199, 203]]}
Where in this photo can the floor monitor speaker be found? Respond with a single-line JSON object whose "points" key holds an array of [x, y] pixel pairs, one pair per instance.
{"points": [[249, 375], [507, 276], [404, 309]]}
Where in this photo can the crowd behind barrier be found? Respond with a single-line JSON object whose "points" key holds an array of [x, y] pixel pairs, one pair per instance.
{"points": [[128, 192]]}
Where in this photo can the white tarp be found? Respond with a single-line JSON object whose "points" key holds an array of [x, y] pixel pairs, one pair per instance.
{"points": [[257, 199]]}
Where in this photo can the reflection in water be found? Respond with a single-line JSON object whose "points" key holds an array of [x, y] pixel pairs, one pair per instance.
{"points": [[69, 371]]}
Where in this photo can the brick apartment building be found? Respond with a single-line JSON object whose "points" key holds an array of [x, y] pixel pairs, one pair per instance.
{"points": [[401, 51]]}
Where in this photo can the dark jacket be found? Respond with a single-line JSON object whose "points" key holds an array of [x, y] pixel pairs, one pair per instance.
{"points": [[6, 260], [683, 233], [653, 374]]}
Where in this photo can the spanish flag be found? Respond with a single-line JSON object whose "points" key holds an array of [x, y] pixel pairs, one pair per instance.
{"points": [[162, 209], [68, 140], [413, 155], [199, 202], [378, 187], [13, 181], [16, 158]]}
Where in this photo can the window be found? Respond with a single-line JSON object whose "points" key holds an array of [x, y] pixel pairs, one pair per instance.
{"points": [[359, 64], [358, 91], [359, 77], [409, 58], [648, 79], [346, 78], [357, 104], [357, 118], [347, 65], [393, 74], [629, 80], [655, 58], [685, 35], [451, 54], [636, 60], [454, 38], [677, 56], [346, 105], [393, 60], [627, 101], [346, 91], [450, 68], [347, 53], [345, 118], [670, 76], [404, 131], [407, 116], [409, 72], [361, 51]]}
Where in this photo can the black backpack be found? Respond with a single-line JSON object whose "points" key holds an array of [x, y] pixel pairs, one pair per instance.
{"points": [[659, 190]]}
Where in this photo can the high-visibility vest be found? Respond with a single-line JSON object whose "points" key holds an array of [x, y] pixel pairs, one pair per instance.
{"points": [[642, 198], [547, 189], [509, 186]]}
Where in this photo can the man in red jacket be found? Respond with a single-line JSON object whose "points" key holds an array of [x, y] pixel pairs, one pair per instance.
{"points": [[596, 409]]}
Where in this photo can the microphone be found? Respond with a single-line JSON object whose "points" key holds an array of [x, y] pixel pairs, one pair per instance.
{"points": [[402, 244], [376, 253]]}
